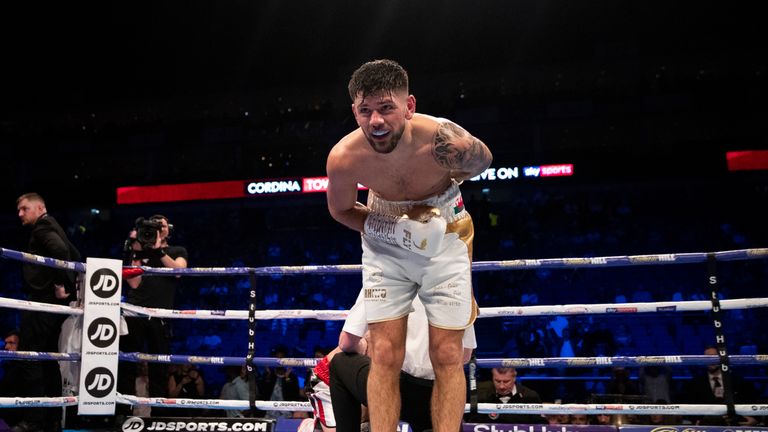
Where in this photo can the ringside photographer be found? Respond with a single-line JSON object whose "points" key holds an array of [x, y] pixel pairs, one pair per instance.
{"points": [[147, 245]]}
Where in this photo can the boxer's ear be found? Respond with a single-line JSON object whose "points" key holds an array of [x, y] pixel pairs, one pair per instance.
{"points": [[410, 106]]}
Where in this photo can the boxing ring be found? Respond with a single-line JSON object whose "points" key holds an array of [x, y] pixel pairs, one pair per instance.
{"points": [[714, 306]]}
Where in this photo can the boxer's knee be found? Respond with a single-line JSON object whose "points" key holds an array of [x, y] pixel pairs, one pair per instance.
{"points": [[387, 352], [387, 343], [446, 348]]}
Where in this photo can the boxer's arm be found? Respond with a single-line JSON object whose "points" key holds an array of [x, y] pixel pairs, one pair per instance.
{"points": [[420, 237], [467, 355], [470, 342], [342, 192], [352, 343], [458, 151]]}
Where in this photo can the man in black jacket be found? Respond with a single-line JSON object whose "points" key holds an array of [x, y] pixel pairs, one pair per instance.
{"points": [[505, 389], [708, 388], [41, 330]]}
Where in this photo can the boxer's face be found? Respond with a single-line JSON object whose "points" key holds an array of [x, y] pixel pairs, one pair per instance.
{"points": [[382, 117]]}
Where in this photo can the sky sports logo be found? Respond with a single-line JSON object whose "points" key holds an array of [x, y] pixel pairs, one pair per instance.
{"points": [[511, 173], [559, 170]]}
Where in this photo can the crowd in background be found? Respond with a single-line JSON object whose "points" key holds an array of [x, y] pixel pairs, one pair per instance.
{"points": [[568, 112], [544, 223]]}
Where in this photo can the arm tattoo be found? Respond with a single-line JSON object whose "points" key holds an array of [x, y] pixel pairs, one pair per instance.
{"points": [[455, 149]]}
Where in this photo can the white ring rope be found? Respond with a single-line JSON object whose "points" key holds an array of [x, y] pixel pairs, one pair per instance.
{"points": [[483, 408], [488, 312], [214, 403], [340, 315], [574, 309], [37, 306], [18, 402]]}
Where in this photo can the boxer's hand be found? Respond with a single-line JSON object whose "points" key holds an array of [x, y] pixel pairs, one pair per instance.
{"points": [[422, 213], [420, 231], [423, 238]]}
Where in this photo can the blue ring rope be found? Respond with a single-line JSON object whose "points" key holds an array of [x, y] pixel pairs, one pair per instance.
{"points": [[478, 266]]}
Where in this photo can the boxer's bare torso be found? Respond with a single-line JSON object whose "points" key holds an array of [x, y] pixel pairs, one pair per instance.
{"points": [[399, 155]]}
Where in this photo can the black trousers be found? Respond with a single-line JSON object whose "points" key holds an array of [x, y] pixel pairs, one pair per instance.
{"points": [[40, 332], [147, 335], [349, 386]]}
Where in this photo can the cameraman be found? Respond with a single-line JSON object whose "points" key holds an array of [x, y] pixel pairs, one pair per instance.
{"points": [[147, 245]]}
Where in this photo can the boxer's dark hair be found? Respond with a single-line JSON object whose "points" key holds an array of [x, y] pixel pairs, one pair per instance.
{"points": [[377, 76]]}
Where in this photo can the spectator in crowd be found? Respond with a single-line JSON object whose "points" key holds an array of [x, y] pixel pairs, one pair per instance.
{"points": [[621, 383], [504, 388], [557, 419], [186, 382], [10, 378], [655, 382], [279, 384], [662, 419], [603, 419], [709, 388], [11, 341], [142, 390], [236, 388], [598, 341], [579, 419]]}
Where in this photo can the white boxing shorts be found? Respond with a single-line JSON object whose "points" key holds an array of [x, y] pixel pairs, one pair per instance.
{"points": [[392, 276], [320, 399]]}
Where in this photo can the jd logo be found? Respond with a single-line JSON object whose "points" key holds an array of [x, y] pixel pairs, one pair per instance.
{"points": [[133, 424], [102, 332], [99, 382], [104, 283]]}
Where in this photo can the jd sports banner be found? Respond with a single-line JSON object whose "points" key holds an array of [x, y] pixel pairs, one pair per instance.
{"points": [[101, 327]]}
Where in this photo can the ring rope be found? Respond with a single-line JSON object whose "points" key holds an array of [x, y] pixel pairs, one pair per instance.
{"points": [[38, 355], [617, 408], [626, 361], [522, 362], [16, 402], [477, 266], [486, 312], [226, 361], [484, 408], [340, 315], [37, 306], [214, 403], [41, 260], [481, 266], [608, 261]]}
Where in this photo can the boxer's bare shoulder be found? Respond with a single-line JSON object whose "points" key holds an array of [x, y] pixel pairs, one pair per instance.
{"points": [[455, 149]]}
